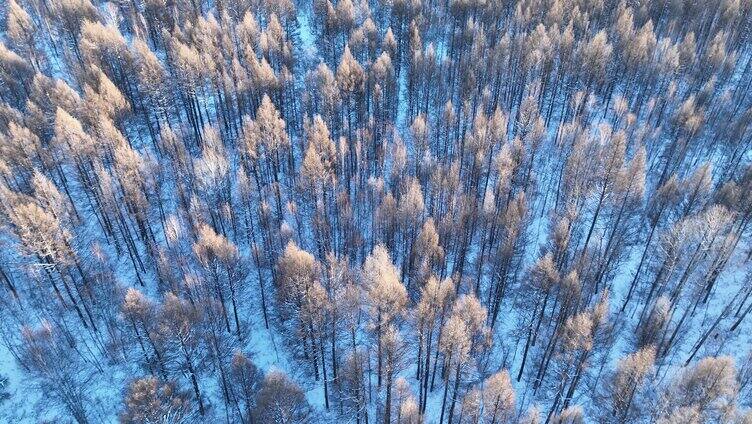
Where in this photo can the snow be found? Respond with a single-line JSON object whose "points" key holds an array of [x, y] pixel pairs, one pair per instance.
{"points": [[269, 353]]}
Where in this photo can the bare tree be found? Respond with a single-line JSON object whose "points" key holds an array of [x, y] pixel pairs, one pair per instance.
{"points": [[280, 400], [152, 401]]}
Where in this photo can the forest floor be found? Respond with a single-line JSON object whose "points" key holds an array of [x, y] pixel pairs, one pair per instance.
{"points": [[269, 352]]}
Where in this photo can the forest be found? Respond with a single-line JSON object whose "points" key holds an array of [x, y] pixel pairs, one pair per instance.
{"points": [[376, 211]]}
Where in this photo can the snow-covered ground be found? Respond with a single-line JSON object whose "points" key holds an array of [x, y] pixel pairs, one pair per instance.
{"points": [[27, 404]]}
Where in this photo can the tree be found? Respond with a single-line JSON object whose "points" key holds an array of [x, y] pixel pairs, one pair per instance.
{"points": [[386, 295], [498, 398], [431, 312], [280, 400], [246, 380], [463, 334], [56, 369], [572, 415], [350, 80], [267, 132], [624, 390], [297, 272], [303, 304], [50, 198], [410, 209], [68, 17], [16, 74], [543, 278], [426, 253], [42, 235], [23, 33], [707, 391], [582, 336], [393, 349], [179, 326], [222, 263], [152, 401], [354, 388], [409, 412], [43, 238], [455, 345], [212, 172], [140, 313]]}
